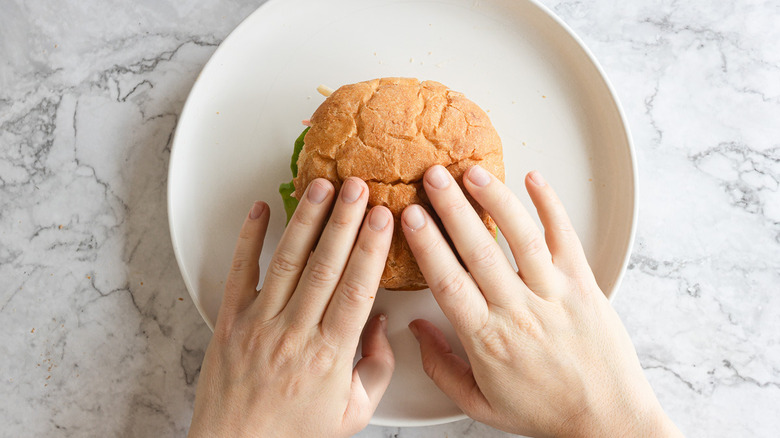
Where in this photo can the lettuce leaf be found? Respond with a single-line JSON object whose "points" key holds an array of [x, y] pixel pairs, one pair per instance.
{"points": [[287, 189]]}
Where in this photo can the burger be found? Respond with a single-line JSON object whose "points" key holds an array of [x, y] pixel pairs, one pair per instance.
{"points": [[388, 132]]}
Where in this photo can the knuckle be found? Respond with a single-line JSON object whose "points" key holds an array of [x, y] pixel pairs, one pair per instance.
{"points": [[430, 366], [239, 264], [563, 226], [495, 343], [581, 283], [387, 359], [506, 197], [340, 221], [247, 233], [324, 358], [533, 247], [355, 292], [232, 284], [245, 236], [251, 335], [321, 272], [370, 247], [431, 247], [222, 332], [484, 256], [284, 265], [526, 322], [451, 284], [287, 349], [456, 207], [469, 404], [302, 217]]}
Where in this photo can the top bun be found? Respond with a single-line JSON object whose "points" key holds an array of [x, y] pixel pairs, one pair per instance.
{"points": [[388, 132]]}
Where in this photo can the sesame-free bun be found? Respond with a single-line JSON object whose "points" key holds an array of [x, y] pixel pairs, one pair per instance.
{"points": [[388, 132]]}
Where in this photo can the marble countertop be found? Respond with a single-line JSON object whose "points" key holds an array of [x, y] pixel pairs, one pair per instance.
{"points": [[99, 335]]}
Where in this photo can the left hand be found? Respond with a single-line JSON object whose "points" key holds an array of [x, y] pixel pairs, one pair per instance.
{"points": [[280, 362]]}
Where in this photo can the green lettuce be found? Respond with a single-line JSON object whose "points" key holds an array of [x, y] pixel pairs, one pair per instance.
{"points": [[287, 189]]}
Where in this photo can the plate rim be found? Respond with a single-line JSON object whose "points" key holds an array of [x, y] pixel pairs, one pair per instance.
{"points": [[634, 192]]}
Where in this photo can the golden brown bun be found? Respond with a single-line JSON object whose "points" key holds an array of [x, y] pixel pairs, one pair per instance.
{"points": [[388, 132]]}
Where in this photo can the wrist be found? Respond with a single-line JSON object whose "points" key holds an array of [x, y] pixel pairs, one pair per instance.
{"points": [[629, 420], [648, 422], [654, 423], [223, 423]]}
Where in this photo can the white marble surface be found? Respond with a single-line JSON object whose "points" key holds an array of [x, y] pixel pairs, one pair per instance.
{"points": [[99, 336]]}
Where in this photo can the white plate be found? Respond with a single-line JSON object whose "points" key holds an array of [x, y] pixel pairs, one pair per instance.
{"points": [[545, 94]]}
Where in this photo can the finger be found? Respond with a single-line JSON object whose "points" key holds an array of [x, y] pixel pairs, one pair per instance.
{"points": [[533, 259], [561, 238], [372, 373], [241, 284], [457, 295], [447, 370], [327, 263], [294, 248], [351, 303], [476, 246]]}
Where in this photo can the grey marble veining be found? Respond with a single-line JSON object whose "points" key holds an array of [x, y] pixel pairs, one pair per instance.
{"points": [[101, 339]]}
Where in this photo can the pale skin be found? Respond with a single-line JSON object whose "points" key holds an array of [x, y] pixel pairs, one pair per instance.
{"points": [[547, 354]]}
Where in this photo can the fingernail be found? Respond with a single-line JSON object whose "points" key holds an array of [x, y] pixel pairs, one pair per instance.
{"points": [[537, 178], [379, 218], [413, 217], [438, 177], [414, 330], [257, 210], [479, 176], [317, 193], [351, 191], [383, 322]]}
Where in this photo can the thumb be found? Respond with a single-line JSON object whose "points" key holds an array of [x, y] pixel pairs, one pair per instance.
{"points": [[372, 373], [448, 371]]}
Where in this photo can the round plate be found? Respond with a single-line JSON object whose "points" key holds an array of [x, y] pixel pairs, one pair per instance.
{"points": [[546, 95]]}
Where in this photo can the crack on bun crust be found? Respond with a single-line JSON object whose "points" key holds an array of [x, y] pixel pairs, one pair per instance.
{"points": [[388, 132]]}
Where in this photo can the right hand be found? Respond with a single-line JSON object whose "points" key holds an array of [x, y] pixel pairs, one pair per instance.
{"points": [[548, 354]]}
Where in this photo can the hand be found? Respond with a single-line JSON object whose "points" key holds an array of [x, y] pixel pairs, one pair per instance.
{"points": [[549, 356], [280, 361]]}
